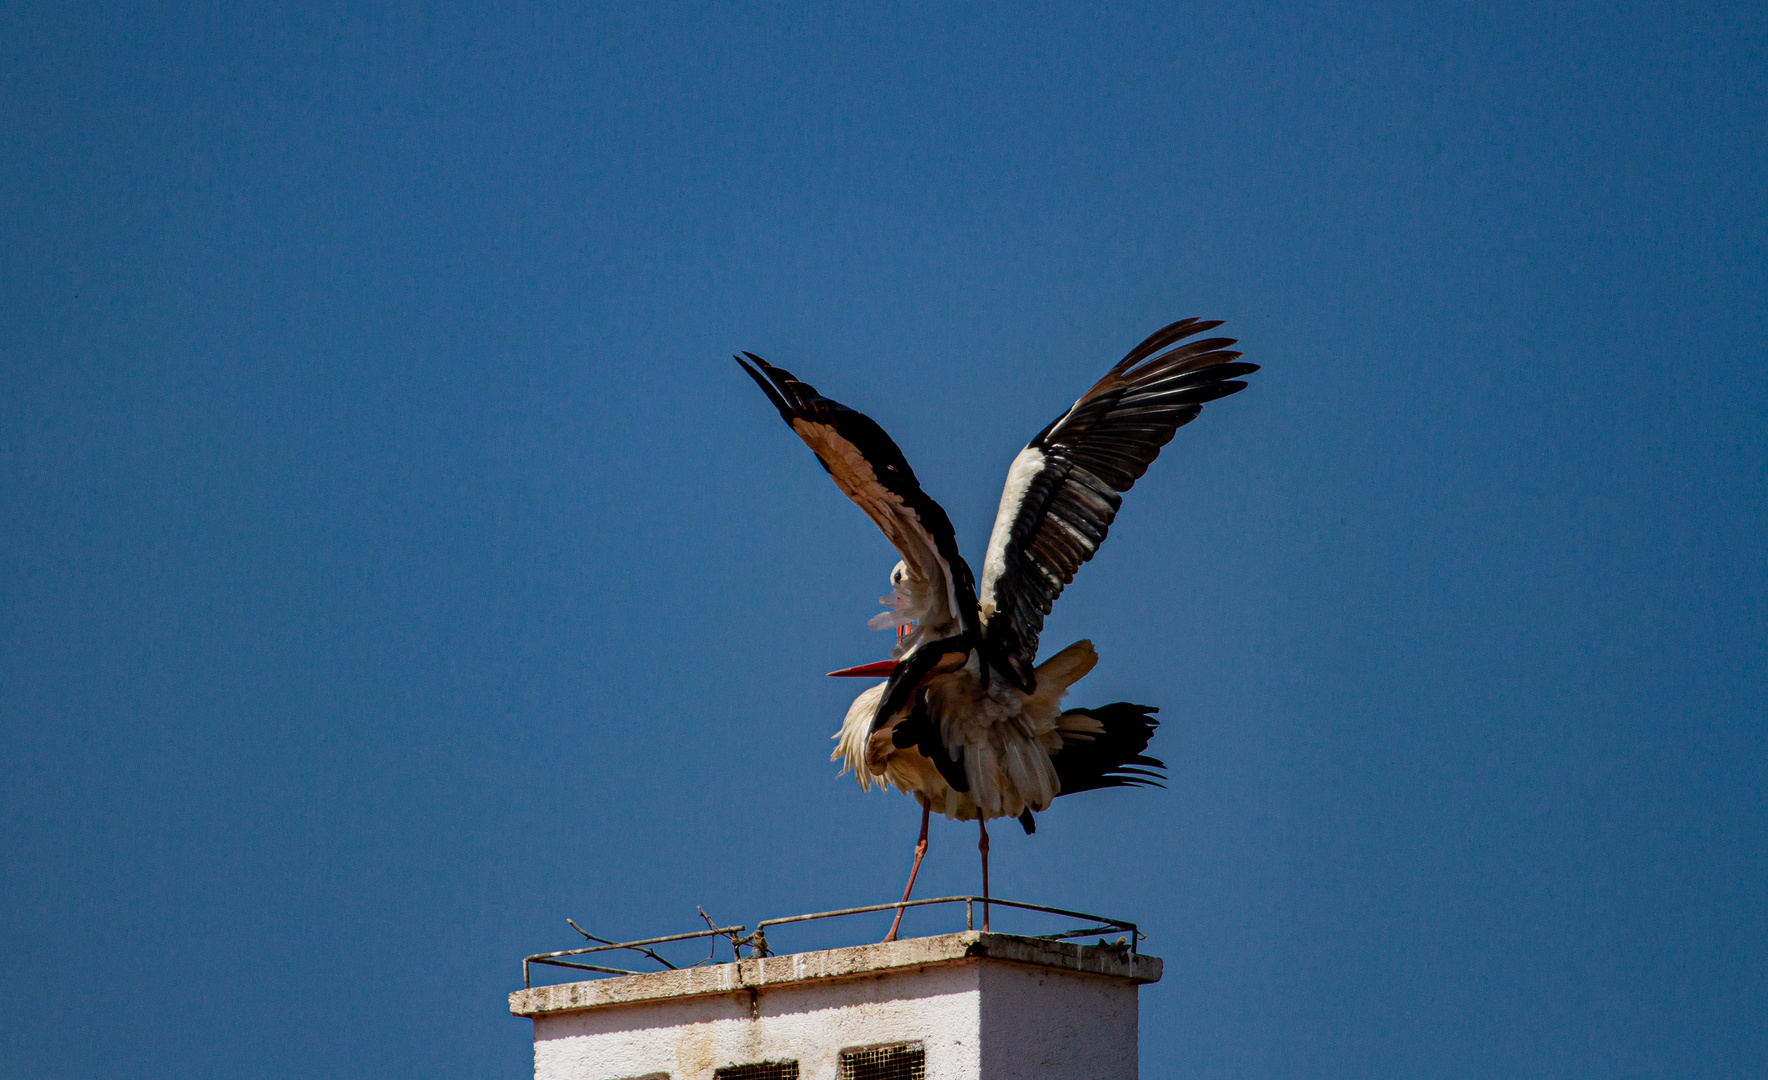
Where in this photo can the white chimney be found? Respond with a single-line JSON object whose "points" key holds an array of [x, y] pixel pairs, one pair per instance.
{"points": [[969, 1006]]}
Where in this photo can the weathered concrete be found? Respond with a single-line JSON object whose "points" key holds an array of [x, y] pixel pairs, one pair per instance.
{"points": [[984, 1006]]}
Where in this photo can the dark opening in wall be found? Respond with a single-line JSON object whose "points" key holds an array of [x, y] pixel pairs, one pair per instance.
{"points": [[760, 1070], [896, 1061]]}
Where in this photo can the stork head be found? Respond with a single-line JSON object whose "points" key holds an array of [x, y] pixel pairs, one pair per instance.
{"points": [[907, 601]]}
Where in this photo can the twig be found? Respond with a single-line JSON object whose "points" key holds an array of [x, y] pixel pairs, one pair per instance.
{"points": [[634, 948], [736, 943]]}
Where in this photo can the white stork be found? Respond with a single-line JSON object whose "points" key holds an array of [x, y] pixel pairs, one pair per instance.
{"points": [[967, 722]]}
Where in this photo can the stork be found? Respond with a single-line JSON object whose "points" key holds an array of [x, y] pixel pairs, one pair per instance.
{"points": [[965, 720]]}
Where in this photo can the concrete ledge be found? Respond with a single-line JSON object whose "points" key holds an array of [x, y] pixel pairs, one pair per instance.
{"points": [[969, 947]]}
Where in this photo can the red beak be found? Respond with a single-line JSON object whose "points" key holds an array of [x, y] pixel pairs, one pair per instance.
{"points": [[881, 669]]}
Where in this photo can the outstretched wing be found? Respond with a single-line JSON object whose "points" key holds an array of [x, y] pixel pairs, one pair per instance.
{"points": [[1064, 488], [869, 468]]}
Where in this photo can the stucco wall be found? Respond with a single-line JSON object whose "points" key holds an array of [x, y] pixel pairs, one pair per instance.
{"points": [[1041, 1024], [984, 1006], [811, 1023]]}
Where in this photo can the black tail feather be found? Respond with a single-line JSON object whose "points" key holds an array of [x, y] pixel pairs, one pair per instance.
{"points": [[1115, 758]]}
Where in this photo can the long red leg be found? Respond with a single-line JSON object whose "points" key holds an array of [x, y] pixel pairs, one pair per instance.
{"points": [[982, 846], [920, 853]]}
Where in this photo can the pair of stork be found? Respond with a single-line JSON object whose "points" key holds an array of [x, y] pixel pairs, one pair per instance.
{"points": [[966, 720]]}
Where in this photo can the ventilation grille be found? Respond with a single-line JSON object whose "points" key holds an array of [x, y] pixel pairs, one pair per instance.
{"points": [[898, 1061], [760, 1070]]}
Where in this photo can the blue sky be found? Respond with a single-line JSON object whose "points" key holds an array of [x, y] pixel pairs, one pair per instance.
{"points": [[396, 564]]}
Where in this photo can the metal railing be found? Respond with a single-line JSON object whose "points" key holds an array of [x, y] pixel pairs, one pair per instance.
{"points": [[552, 958], [758, 946]]}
